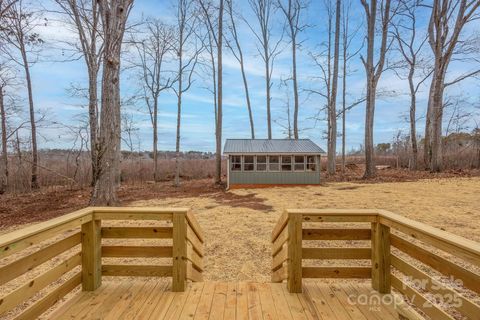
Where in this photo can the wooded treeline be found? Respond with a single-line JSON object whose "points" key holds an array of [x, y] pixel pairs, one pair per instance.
{"points": [[421, 42]]}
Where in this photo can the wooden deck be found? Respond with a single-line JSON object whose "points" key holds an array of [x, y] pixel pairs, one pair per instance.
{"points": [[141, 299]]}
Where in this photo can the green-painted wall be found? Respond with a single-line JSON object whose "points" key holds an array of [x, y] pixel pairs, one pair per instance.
{"points": [[282, 177]]}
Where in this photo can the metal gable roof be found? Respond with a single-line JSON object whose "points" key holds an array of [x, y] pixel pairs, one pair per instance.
{"points": [[271, 146]]}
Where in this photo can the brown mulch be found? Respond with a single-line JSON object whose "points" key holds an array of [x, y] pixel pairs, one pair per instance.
{"points": [[49, 203]]}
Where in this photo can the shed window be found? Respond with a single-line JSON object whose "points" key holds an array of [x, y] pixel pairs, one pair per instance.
{"points": [[311, 163], [273, 163], [286, 163], [236, 163], [299, 163], [261, 163], [248, 163]]}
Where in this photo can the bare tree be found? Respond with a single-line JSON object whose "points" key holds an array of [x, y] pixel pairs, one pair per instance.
{"points": [[17, 31], [447, 20], [5, 5], [410, 45], [5, 80], [84, 15], [286, 122], [348, 36], [152, 51], [292, 10], [210, 43], [238, 54], [114, 15], [215, 37], [332, 108], [187, 50], [329, 77], [374, 70], [267, 47], [218, 153]]}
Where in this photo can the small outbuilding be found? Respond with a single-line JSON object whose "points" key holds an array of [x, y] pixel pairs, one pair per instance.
{"points": [[257, 162]]}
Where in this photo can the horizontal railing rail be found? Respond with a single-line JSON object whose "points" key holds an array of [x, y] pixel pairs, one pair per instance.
{"points": [[400, 251], [72, 247]]}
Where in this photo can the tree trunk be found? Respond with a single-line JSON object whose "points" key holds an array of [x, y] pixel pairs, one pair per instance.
{"points": [[218, 155], [93, 121], [370, 169], [247, 97], [105, 190], [155, 140], [413, 119], [179, 112], [33, 125], [177, 143], [332, 110], [114, 15], [268, 87], [344, 102], [4, 175], [295, 84], [435, 147]]}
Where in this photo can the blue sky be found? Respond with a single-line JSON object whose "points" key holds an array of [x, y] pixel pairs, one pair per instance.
{"points": [[52, 80]]}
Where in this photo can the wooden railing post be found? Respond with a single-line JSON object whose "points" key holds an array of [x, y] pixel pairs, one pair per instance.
{"points": [[91, 255], [294, 281], [381, 280], [179, 272]]}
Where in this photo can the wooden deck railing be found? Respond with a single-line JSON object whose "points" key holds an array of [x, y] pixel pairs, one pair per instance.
{"points": [[74, 243], [397, 242]]}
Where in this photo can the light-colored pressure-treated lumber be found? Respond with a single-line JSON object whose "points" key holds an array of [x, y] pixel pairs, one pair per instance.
{"points": [[27, 290], [232, 300], [194, 240], [137, 270], [27, 263], [470, 280], [380, 258], [130, 215], [280, 274], [281, 223], [279, 241], [137, 232], [136, 251], [193, 274], [193, 257], [50, 299], [462, 304], [419, 300], [179, 272], [453, 244], [337, 272], [23, 238], [336, 234], [91, 255], [280, 258], [192, 221], [294, 244], [336, 253]]}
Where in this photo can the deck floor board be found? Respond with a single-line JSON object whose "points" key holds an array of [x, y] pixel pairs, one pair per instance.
{"points": [[145, 299]]}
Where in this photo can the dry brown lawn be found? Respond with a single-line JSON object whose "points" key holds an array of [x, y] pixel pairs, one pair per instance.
{"points": [[238, 232]]}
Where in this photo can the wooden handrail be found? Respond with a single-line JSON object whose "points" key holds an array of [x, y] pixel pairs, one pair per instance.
{"points": [[186, 252], [382, 240], [23, 238], [451, 243]]}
